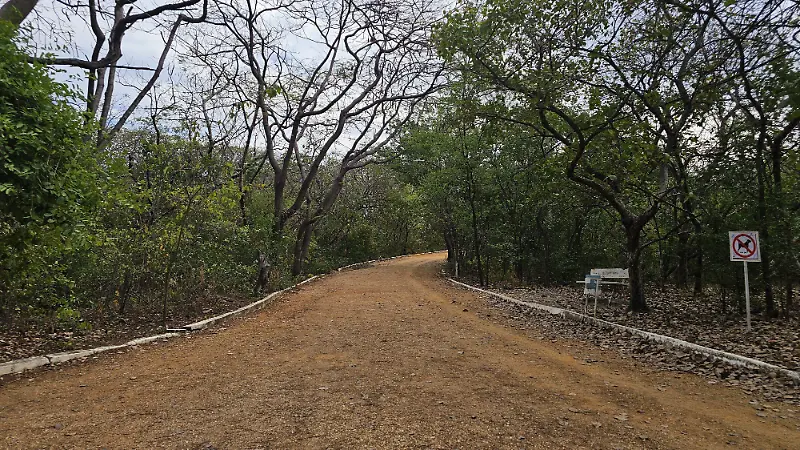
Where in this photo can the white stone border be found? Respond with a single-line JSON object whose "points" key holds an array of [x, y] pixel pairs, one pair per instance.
{"points": [[729, 358], [21, 365], [244, 309]]}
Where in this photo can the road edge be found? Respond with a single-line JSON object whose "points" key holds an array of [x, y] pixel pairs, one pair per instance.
{"points": [[721, 355], [33, 362]]}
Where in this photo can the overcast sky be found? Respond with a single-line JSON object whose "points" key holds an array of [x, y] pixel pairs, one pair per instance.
{"points": [[65, 31]]}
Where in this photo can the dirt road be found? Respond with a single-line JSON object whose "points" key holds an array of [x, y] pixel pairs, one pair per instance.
{"points": [[385, 357]]}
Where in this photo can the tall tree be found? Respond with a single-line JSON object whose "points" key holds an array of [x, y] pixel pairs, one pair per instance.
{"points": [[548, 56], [369, 65]]}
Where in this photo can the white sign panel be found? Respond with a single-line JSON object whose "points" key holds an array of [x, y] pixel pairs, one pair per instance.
{"points": [[591, 285], [744, 246]]}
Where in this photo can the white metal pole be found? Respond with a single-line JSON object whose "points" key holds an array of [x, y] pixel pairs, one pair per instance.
{"points": [[747, 294], [456, 269]]}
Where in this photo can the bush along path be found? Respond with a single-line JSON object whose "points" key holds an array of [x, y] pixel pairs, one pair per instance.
{"points": [[390, 356]]}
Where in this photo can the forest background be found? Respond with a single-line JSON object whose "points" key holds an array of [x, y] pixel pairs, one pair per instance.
{"points": [[274, 139]]}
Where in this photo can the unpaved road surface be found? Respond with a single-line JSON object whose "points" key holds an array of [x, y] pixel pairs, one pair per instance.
{"points": [[390, 356]]}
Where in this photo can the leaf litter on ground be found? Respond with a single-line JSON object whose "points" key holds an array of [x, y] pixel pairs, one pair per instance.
{"points": [[674, 313]]}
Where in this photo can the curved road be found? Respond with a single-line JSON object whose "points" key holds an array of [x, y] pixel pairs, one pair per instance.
{"points": [[390, 356]]}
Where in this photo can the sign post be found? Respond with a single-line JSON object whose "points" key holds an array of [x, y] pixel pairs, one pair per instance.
{"points": [[591, 286], [744, 247]]}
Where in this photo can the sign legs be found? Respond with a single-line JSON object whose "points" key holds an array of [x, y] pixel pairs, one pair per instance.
{"points": [[747, 294], [586, 304]]}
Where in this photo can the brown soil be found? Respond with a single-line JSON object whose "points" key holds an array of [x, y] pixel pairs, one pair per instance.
{"points": [[386, 357]]}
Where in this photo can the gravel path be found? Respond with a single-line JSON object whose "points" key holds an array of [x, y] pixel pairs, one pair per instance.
{"points": [[389, 356]]}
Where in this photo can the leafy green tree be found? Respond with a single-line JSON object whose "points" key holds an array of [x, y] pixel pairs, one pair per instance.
{"points": [[647, 102], [540, 55], [48, 178]]}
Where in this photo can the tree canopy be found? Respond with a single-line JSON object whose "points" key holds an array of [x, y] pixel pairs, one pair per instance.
{"points": [[267, 140]]}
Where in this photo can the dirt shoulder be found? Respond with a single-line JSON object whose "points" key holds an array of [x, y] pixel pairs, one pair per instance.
{"points": [[390, 356]]}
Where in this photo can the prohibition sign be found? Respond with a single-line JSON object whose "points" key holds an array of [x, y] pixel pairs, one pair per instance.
{"points": [[744, 246]]}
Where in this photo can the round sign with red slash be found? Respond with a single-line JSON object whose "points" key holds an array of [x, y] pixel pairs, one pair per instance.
{"points": [[744, 246]]}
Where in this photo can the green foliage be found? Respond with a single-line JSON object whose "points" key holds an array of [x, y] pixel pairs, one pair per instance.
{"points": [[168, 225], [377, 216], [47, 183], [531, 223], [679, 122], [569, 125], [44, 155]]}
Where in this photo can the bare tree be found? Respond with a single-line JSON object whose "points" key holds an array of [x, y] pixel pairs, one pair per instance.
{"points": [[109, 24], [337, 79]]}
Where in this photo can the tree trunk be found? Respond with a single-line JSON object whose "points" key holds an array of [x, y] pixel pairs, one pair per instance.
{"points": [[633, 237], [632, 224], [168, 276], [681, 273], [698, 273], [545, 239], [477, 242], [763, 220], [406, 238], [301, 246], [15, 11], [279, 220], [448, 242], [165, 294], [124, 292], [785, 224], [663, 262], [243, 208], [682, 270], [262, 280], [698, 268], [304, 233], [242, 194]]}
